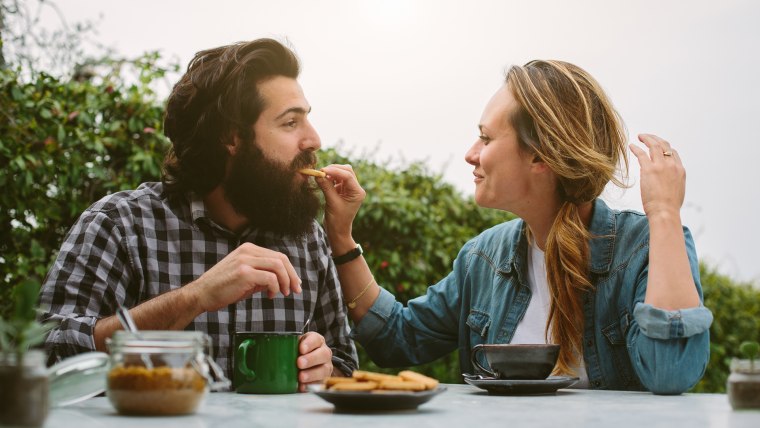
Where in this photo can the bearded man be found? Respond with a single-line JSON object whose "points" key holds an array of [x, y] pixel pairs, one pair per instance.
{"points": [[228, 240]]}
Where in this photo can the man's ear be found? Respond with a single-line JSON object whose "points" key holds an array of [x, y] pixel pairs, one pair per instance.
{"points": [[232, 144]]}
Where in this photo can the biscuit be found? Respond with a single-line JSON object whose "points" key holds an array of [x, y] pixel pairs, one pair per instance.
{"points": [[429, 382], [312, 172], [330, 381], [354, 386], [377, 377], [402, 385]]}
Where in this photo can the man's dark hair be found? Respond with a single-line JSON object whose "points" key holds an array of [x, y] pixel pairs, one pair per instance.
{"points": [[216, 99]]}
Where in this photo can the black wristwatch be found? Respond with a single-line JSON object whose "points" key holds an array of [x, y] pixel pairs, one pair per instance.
{"points": [[345, 258]]}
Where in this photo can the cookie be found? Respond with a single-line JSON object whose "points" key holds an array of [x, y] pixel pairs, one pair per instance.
{"points": [[354, 386], [429, 382], [330, 381], [376, 377], [402, 385]]}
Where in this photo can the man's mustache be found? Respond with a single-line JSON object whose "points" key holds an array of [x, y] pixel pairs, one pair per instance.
{"points": [[304, 160]]}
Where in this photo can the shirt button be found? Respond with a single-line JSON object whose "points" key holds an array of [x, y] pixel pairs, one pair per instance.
{"points": [[597, 383], [589, 342]]}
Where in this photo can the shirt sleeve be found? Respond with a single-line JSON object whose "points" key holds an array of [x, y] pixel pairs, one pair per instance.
{"points": [[670, 349], [330, 316], [90, 274]]}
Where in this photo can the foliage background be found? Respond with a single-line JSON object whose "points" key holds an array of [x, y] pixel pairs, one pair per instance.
{"points": [[66, 141]]}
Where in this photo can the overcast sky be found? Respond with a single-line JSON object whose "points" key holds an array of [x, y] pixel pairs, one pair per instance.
{"points": [[409, 79]]}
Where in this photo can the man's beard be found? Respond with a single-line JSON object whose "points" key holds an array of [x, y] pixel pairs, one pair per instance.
{"points": [[269, 194]]}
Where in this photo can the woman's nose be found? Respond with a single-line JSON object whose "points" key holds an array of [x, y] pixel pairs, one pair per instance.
{"points": [[472, 156]]}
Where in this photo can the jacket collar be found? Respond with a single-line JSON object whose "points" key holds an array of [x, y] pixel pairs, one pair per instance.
{"points": [[601, 246]]}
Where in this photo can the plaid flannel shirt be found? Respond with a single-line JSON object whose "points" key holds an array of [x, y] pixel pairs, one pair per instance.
{"points": [[134, 245]]}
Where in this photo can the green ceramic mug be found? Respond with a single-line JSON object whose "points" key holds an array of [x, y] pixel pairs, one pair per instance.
{"points": [[265, 363]]}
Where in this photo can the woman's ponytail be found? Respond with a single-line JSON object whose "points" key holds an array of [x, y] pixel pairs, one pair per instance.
{"points": [[567, 256]]}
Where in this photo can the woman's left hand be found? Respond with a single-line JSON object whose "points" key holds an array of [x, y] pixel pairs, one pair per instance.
{"points": [[663, 177]]}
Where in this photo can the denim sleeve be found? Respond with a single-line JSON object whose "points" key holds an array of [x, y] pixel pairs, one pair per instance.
{"points": [[670, 349], [661, 324], [426, 329]]}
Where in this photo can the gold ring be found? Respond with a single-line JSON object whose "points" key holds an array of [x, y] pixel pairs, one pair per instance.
{"points": [[668, 153]]}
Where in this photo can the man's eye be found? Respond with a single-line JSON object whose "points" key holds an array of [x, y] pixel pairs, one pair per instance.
{"points": [[291, 123]]}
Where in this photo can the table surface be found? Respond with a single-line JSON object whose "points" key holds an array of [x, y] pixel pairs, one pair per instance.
{"points": [[461, 406]]}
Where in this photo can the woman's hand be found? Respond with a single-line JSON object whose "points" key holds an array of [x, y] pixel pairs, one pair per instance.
{"points": [[670, 284], [663, 177], [343, 197]]}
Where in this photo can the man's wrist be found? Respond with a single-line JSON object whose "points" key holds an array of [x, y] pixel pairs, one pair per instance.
{"points": [[191, 298]]}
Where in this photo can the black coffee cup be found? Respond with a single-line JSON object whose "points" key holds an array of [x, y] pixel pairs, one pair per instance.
{"points": [[509, 361]]}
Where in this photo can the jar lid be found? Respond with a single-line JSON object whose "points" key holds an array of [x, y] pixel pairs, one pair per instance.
{"points": [[157, 341], [78, 378]]}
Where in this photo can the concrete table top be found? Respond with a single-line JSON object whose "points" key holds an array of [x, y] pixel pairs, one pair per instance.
{"points": [[461, 406]]}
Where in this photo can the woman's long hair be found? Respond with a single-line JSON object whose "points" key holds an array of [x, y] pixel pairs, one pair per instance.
{"points": [[565, 118]]}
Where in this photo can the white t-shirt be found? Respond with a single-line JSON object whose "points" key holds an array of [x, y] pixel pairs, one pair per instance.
{"points": [[533, 325]]}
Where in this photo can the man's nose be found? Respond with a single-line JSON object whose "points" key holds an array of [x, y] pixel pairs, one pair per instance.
{"points": [[311, 140]]}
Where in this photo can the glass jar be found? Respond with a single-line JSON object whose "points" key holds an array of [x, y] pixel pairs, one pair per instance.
{"points": [[744, 384], [24, 395], [158, 372]]}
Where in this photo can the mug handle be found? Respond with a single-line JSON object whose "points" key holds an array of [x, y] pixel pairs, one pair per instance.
{"points": [[242, 351], [474, 360]]}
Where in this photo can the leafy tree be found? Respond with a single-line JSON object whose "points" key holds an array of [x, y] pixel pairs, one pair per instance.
{"points": [[64, 145], [31, 47]]}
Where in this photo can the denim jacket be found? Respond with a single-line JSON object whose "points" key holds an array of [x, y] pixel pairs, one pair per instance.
{"points": [[627, 344]]}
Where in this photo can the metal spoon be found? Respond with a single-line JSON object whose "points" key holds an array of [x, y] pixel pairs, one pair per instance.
{"points": [[306, 324], [129, 325], [216, 381]]}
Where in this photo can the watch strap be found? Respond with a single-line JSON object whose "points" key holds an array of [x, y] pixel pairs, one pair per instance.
{"points": [[345, 258]]}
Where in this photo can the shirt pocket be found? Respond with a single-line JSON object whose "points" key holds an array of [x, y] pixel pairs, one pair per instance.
{"points": [[617, 345], [479, 323]]}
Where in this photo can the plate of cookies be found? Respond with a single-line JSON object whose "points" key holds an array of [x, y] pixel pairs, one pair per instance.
{"points": [[369, 391]]}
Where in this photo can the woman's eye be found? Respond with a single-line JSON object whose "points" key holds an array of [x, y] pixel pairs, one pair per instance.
{"points": [[484, 138]]}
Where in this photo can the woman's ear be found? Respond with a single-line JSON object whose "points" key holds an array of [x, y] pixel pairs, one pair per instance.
{"points": [[539, 165]]}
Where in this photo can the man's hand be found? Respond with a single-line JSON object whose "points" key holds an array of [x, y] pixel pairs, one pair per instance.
{"points": [[315, 360], [247, 270]]}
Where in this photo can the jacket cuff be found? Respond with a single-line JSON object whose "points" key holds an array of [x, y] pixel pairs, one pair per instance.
{"points": [[376, 319], [661, 324]]}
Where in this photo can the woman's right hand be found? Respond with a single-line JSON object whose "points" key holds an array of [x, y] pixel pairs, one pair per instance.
{"points": [[343, 197]]}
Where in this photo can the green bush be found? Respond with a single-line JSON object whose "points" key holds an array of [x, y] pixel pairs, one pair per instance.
{"points": [[736, 311], [63, 145]]}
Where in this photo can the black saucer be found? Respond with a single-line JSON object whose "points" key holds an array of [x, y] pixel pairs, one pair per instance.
{"points": [[495, 386]]}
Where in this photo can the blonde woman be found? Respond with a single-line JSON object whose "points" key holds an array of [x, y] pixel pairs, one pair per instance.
{"points": [[618, 290]]}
